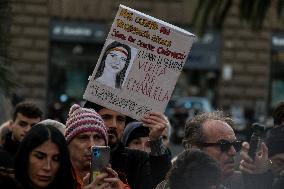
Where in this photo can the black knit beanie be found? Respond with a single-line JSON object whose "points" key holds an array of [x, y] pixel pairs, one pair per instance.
{"points": [[134, 130]]}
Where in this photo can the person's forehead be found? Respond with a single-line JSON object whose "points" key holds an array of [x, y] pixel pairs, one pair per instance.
{"points": [[49, 146], [22, 117], [106, 111], [118, 48], [89, 133], [118, 52], [216, 129]]}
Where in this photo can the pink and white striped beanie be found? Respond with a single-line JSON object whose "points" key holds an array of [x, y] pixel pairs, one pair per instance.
{"points": [[84, 120]]}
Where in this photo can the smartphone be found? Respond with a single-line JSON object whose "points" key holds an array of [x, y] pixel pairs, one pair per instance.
{"points": [[100, 160], [256, 139]]}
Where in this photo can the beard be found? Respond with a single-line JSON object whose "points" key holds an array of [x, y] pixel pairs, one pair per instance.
{"points": [[113, 139]]}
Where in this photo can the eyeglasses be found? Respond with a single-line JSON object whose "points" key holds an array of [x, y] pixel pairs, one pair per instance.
{"points": [[225, 145]]}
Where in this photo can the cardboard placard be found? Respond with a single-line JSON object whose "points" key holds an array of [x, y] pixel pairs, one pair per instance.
{"points": [[140, 63]]}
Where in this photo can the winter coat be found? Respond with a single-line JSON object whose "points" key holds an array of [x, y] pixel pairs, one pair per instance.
{"points": [[139, 169], [8, 151], [249, 181], [239, 181]]}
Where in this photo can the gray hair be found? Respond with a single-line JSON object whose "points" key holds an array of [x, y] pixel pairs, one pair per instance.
{"points": [[194, 127]]}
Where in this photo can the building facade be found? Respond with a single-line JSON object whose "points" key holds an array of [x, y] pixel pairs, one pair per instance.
{"points": [[55, 45]]}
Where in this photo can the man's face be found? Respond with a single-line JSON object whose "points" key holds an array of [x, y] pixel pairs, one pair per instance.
{"points": [[215, 130], [21, 125], [115, 123], [80, 149]]}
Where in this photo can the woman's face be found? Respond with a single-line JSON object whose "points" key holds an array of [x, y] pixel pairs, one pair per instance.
{"points": [[115, 60], [43, 164]]}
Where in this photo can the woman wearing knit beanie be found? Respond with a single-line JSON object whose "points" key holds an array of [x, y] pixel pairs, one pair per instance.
{"points": [[84, 129], [136, 136]]}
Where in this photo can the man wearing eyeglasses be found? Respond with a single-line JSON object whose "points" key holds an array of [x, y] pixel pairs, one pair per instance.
{"points": [[213, 134]]}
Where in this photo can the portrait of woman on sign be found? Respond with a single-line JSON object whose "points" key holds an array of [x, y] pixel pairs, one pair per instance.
{"points": [[114, 64]]}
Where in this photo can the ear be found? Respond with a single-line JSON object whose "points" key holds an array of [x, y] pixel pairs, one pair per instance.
{"points": [[11, 124]]}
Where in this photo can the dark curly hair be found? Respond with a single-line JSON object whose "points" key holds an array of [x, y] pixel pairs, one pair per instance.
{"points": [[39, 134], [120, 76], [194, 169]]}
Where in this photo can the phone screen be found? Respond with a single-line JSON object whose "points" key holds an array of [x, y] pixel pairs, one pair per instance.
{"points": [[100, 160]]}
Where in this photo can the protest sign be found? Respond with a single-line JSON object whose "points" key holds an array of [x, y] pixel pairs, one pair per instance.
{"points": [[140, 63]]}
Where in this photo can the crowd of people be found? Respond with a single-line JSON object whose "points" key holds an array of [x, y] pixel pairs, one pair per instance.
{"points": [[37, 153]]}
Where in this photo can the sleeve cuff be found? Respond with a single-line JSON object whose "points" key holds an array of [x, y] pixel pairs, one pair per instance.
{"points": [[157, 147]]}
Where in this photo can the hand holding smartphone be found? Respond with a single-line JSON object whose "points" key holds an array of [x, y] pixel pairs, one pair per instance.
{"points": [[100, 160], [256, 139]]}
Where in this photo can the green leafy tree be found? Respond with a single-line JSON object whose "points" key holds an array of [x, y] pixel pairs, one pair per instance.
{"points": [[214, 12]]}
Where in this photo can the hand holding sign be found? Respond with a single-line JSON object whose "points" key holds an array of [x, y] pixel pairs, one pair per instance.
{"points": [[156, 122]]}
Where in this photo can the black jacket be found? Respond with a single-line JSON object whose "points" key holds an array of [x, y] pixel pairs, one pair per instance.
{"points": [[142, 171], [278, 182], [8, 151], [249, 181]]}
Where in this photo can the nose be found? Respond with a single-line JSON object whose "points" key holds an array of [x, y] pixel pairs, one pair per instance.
{"points": [[232, 151], [92, 142], [146, 148], [113, 123], [47, 165], [117, 59]]}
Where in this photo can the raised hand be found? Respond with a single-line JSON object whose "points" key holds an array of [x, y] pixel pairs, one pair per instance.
{"points": [[156, 122], [259, 165]]}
